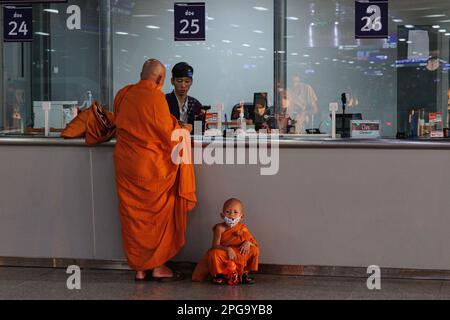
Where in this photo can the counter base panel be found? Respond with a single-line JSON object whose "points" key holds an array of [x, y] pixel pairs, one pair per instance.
{"points": [[325, 207]]}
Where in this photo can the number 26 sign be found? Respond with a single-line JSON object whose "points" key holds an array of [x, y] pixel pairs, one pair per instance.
{"points": [[371, 19], [17, 24], [190, 20]]}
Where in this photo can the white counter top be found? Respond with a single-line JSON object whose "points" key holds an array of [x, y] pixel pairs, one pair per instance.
{"points": [[285, 142]]}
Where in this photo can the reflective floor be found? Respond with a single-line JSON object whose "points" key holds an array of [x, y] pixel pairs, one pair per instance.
{"points": [[38, 283]]}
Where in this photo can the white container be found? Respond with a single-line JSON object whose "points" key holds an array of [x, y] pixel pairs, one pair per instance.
{"points": [[365, 129]]}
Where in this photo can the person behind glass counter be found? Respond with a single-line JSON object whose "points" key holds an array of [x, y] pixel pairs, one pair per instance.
{"points": [[302, 102], [264, 118], [182, 106]]}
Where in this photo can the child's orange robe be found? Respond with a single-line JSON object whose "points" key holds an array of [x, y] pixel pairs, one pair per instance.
{"points": [[214, 261]]}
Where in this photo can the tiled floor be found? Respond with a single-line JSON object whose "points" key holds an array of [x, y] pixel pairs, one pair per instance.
{"points": [[38, 283]]}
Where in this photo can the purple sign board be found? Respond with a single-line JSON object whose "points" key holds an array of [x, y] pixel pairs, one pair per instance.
{"points": [[371, 19], [17, 24], [190, 21]]}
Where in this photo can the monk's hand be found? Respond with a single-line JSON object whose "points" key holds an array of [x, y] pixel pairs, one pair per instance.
{"points": [[231, 254], [245, 248], [188, 127]]}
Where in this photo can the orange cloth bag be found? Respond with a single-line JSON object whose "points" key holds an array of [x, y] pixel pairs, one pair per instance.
{"points": [[94, 123]]}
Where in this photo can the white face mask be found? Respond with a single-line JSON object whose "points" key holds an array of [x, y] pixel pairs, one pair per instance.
{"points": [[232, 222]]}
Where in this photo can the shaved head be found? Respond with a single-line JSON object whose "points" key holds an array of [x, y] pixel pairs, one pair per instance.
{"points": [[232, 201], [155, 71]]}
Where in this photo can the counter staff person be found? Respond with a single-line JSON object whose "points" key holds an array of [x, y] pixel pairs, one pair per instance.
{"points": [[302, 103], [185, 108]]}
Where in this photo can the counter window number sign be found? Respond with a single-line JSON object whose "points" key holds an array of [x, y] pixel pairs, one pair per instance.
{"points": [[190, 21], [371, 19], [22, 28], [194, 24], [18, 24], [373, 22]]}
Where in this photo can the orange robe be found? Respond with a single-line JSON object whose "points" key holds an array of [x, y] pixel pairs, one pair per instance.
{"points": [[154, 193], [214, 261], [94, 123]]}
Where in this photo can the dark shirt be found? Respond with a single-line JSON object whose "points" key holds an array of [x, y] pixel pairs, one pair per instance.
{"points": [[268, 119], [194, 108]]}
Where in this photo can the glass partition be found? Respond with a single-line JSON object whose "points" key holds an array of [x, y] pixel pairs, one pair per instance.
{"points": [[60, 65], [234, 62], [383, 79]]}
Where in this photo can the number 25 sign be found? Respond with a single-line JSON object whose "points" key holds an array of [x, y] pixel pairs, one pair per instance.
{"points": [[371, 19], [17, 24], [190, 20]]}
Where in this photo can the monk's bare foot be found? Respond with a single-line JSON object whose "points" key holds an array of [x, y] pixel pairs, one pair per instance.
{"points": [[140, 275], [162, 271]]}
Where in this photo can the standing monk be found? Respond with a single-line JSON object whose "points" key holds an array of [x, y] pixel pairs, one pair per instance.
{"points": [[154, 193]]}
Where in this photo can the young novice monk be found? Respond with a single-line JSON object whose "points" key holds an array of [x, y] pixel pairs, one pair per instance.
{"points": [[232, 242]]}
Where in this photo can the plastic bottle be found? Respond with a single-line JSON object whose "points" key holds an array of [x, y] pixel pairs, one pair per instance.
{"points": [[413, 126], [89, 101], [242, 121], [219, 117], [421, 123]]}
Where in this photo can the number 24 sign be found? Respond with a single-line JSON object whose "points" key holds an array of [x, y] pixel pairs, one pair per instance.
{"points": [[371, 19], [17, 24]]}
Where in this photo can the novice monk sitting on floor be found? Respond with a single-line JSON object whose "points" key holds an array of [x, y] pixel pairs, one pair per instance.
{"points": [[232, 242]]}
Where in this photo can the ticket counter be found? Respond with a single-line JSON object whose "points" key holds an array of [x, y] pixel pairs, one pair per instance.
{"points": [[332, 202]]}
